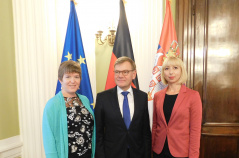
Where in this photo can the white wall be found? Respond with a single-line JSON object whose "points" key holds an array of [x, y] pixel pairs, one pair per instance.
{"points": [[40, 28]]}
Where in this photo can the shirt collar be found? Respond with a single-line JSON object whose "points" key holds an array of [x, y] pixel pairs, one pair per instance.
{"points": [[119, 90]]}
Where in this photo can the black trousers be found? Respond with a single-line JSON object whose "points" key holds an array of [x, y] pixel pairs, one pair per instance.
{"points": [[128, 155]]}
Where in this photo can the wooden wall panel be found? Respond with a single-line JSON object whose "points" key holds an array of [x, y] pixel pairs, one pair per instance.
{"points": [[208, 30], [222, 62], [200, 46], [219, 147]]}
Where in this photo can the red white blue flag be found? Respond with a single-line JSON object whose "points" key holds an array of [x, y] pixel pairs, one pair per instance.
{"points": [[168, 46]]}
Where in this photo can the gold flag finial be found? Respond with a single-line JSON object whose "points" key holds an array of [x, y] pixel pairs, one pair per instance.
{"points": [[172, 50], [74, 2], [124, 1]]}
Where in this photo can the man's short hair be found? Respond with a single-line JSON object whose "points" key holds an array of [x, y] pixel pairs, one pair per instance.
{"points": [[124, 59]]}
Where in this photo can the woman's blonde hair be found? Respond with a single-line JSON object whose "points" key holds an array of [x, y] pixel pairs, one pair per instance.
{"points": [[69, 66], [174, 61]]}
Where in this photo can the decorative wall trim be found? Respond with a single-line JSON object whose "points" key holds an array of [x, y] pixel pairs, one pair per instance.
{"points": [[11, 147]]}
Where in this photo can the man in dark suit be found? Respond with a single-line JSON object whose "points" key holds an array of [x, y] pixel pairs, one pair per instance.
{"points": [[122, 119]]}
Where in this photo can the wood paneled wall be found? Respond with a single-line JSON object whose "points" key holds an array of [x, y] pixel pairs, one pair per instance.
{"points": [[208, 33]]}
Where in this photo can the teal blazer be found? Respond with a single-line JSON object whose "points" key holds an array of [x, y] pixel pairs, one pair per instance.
{"points": [[54, 127]]}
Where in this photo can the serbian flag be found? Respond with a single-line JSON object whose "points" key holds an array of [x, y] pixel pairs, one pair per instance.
{"points": [[168, 46], [122, 47], [74, 50]]}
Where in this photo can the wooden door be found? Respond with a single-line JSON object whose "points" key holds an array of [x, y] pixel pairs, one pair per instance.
{"points": [[208, 35]]}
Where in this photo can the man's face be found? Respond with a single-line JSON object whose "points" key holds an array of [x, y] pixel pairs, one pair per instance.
{"points": [[124, 75]]}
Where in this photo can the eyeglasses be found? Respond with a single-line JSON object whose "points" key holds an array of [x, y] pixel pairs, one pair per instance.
{"points": [[124, 72]]}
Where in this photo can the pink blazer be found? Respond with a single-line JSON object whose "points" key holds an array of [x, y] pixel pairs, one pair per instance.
{"points": [[184, 127]]}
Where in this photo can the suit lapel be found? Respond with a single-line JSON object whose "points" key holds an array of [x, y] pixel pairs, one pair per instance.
{"points": [[180, 97], [161, 102], [136, 103]]}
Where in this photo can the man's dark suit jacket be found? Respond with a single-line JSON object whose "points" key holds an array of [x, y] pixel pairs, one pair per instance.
{"points": [[112, 137]]}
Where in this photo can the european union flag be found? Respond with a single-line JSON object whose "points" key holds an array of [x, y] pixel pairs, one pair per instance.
{"points": [[73, 50]]}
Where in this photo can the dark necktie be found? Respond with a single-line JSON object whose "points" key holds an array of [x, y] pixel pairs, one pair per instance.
{"points": [[126, 111]]}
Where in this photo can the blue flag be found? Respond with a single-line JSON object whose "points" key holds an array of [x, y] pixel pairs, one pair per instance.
{"points": [[73, 50]]}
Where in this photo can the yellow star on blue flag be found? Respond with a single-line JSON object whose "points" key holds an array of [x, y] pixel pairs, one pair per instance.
{"points": [[81, 60], [69, 56]]}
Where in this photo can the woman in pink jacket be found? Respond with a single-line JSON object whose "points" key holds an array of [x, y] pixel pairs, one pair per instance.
{"points": [[177, 115]]}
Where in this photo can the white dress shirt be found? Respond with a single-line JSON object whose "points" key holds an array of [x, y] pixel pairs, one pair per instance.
{"points": [[130, 100]]}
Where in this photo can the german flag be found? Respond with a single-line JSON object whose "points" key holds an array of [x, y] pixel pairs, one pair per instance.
{"points": [[122, 47]]}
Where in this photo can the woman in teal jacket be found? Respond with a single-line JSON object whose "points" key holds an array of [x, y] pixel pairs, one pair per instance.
{"points": [[68, 124]]}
